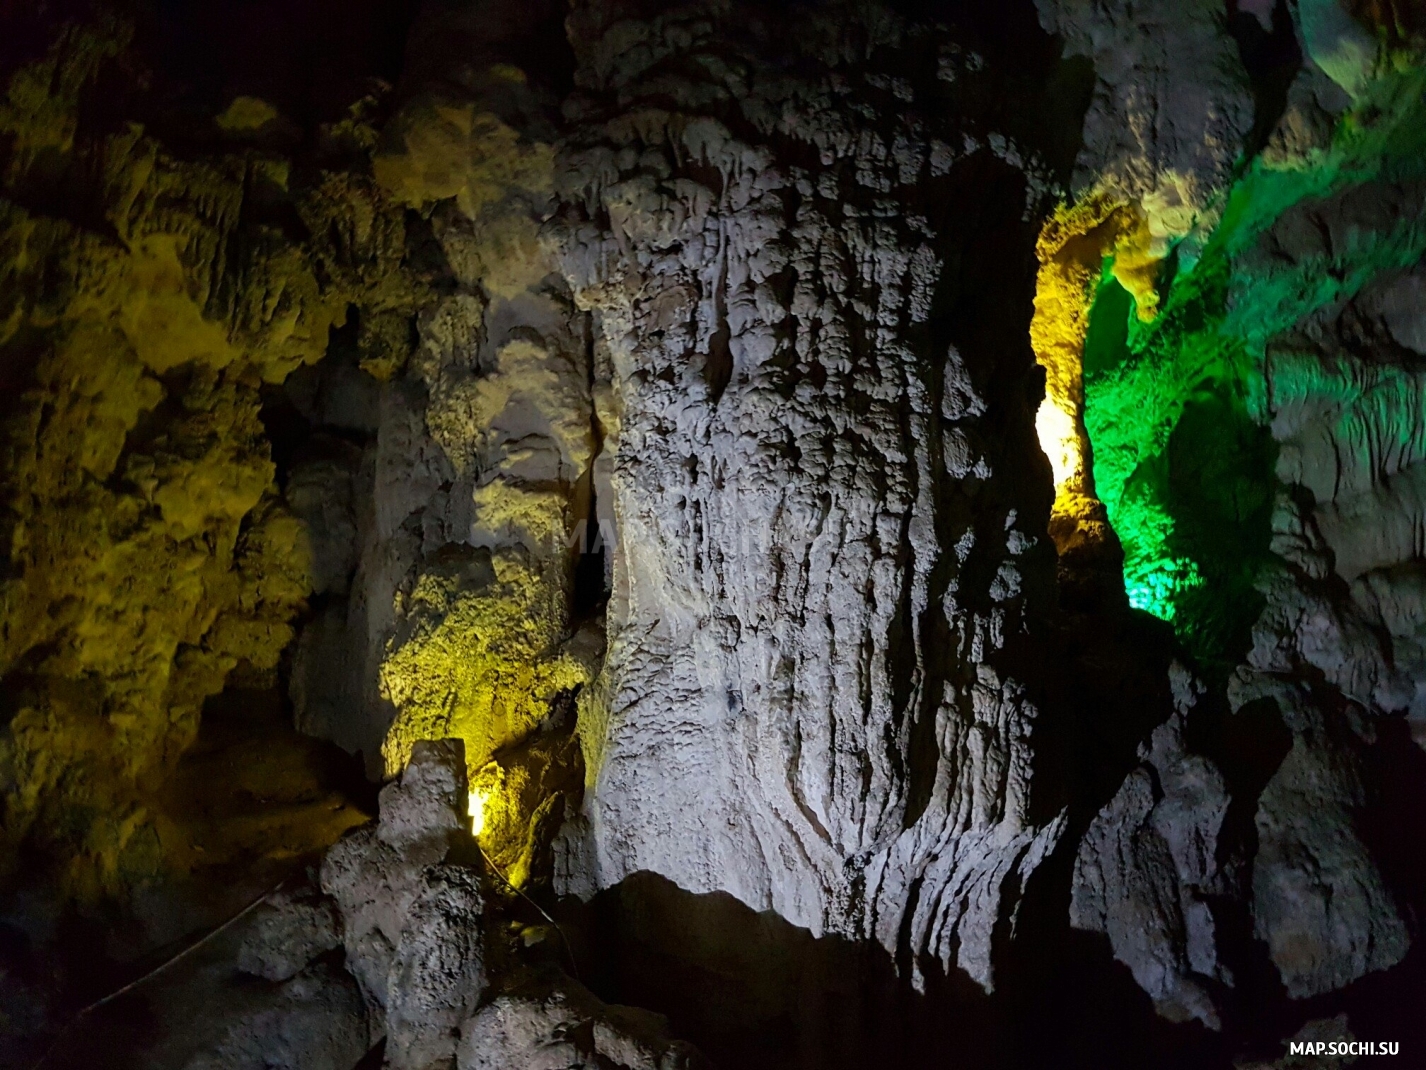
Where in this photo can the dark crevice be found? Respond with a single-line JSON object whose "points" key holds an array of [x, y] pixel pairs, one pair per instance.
{"points": [[718, 365], [1272, 59]]}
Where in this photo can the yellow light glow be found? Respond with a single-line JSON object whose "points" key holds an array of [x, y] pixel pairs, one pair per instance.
{"points": [[1059, 438], [1072, 249], [476, 808]]}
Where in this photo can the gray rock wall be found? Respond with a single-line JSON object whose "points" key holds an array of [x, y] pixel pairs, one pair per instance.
{"points": [[825, 488]]}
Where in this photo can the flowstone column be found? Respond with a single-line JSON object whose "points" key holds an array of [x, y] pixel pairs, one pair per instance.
{"points": [[823, 471]]}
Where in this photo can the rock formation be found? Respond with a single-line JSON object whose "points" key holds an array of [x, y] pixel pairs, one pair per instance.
{"points": [[817, 573], [1150, 864], [851, 523], [546, 1021]]}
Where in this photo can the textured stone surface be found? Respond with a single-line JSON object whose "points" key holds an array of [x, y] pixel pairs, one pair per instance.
{"points": [[752, 298], [1171, 106], [438, 972], [1320, 901], [151, 557], [319, 493], [380, 872], [1338, 643], [459, 622], [820, 553], [290, 929], [553, 1023], [1304, 130], [1338, 42], [1146, 870], [207, 1012], [315, 1021], [1317, 1031]]}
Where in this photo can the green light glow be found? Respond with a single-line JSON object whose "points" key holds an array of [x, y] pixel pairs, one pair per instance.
{"points": [[1174, 408], [1154, 585]]}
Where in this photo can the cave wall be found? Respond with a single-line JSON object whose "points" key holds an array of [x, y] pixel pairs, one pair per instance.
{"points": [[151, 299], [861, 542], [1221, 459], [825, 539]]}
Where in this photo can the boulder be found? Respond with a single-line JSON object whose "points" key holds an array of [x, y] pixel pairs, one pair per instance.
{"points": [[549, 1022]]}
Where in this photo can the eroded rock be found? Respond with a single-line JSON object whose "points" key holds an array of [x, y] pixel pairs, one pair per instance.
{"points": [[438, 971], [1147, 868], [821, 549], [314, 1021], [291, 928], [380, 874], [1320, 901], [554, 1023], [1171, 108]]}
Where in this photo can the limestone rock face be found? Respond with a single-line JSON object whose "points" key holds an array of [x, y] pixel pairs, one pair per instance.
{"points": [[412, 926], [553, 1023], [292, 927], [825, 540], [393, 943], [142, 565], [477, 472], [1337, 43], [1343, 595], [1323, 1031], [1337, 648], [438, 972], [319, 493], [1312, 339], [152, 557], [1171, 108], [315, 1021], [744, 288], [1304, 129], [1147, 868], [1320, 900]]}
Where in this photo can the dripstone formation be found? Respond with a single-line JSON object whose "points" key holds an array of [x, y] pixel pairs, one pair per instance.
{"points": [[810, 699], [615, 534]]}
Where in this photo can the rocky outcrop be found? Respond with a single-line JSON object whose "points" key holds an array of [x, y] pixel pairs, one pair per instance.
{"points": [[1319, 898], [413, 928], [151, 556], [1339, 42], [407, 903], [549, 1022], [476, 477], [438, 972], [822, 555], [1150, 865], [1308, 348], [314, 1021], [1172, 106], [1170, 116], [291, 928], [1336, 647], [642, 439]]}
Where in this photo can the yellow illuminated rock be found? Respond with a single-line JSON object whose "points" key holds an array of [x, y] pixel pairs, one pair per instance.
{"points": [[476, 807], [150, 555], [457, 150], [1073, 246], [247, 114], [479, 661], [482, 649]]}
